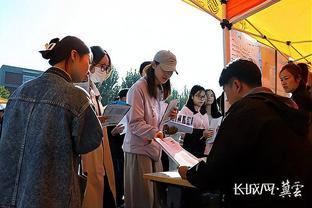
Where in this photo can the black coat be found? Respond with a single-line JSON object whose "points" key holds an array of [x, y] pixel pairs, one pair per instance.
{"points": [[115, 143], [261, 140], [303, 99], [195, 143]]}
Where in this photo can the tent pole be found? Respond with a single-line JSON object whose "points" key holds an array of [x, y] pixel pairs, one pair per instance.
{"points": [[226, 47], [302, 57], [275, 59], [226, 37]]}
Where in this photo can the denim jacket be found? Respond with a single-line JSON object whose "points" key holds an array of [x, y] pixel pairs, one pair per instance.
{"points": [[48, 122]]}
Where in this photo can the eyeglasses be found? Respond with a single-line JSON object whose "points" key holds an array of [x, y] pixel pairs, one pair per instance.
{"points": [[201, 97], [106, 68]]}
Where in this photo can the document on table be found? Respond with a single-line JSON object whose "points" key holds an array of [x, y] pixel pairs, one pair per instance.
{"points": [[179, 155]]}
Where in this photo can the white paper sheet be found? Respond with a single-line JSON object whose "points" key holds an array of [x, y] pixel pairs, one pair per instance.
{"points": [[125, 124], [179, 155], [180, 126], [214, 125], [170, 107]]}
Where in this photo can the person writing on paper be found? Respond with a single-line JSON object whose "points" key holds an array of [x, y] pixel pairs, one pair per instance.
{"points": [[98, 165], [262, 141], [195, 142], [213, 113], [47, 123], [116, 139], [142, 154]]}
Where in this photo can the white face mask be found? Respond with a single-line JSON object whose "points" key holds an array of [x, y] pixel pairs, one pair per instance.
{"points": [[84, 85], [99, 75]]}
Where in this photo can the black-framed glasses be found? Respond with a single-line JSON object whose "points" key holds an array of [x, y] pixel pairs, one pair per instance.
{"points": [[106, 68], [201, 97]]}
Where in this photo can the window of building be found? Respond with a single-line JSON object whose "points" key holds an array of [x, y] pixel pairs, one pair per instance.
{"points": [[27, 78], [13, 78]]}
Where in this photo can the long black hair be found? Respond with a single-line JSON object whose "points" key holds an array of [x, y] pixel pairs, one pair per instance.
{"points": [[151, 84], [215, 113], [190, 102]]}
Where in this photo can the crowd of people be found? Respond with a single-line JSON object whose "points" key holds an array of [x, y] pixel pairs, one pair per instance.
{"points": [[55, 152]]}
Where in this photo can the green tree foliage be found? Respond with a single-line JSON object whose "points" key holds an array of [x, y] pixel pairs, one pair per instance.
{"points": [[174, 95], [182, 98], [4, 93], [131, 77], [110, 88]]}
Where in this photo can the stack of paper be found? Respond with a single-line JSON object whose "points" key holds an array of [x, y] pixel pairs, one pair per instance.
{"points": [[179, 155]]}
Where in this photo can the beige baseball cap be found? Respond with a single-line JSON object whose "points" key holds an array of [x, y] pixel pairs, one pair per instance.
{"points": [[166, 60]]}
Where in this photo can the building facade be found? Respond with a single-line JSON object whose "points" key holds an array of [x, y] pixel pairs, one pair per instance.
{"points": [[11, 77]]}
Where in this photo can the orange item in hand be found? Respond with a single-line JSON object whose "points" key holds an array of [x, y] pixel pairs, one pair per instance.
{"points": [[159, 135]]}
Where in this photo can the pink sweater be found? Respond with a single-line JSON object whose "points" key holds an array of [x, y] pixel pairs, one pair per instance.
{"points": [[143, 121]]}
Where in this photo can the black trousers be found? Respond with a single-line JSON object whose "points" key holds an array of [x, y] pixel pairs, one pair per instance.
{"points": [[108, 198]]}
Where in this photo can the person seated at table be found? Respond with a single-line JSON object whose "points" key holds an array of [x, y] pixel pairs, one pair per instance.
{"points": [[262, 141]]}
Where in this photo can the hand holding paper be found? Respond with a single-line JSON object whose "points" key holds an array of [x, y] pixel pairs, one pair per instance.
{"points": [[174, 113], [170, 129], [159, 135], [182, 171], [208, 133], [102, 118], [214, 125], [118, 129]]}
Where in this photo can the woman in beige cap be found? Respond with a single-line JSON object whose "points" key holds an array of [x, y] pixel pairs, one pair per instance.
{"points": [[142, 153]]}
